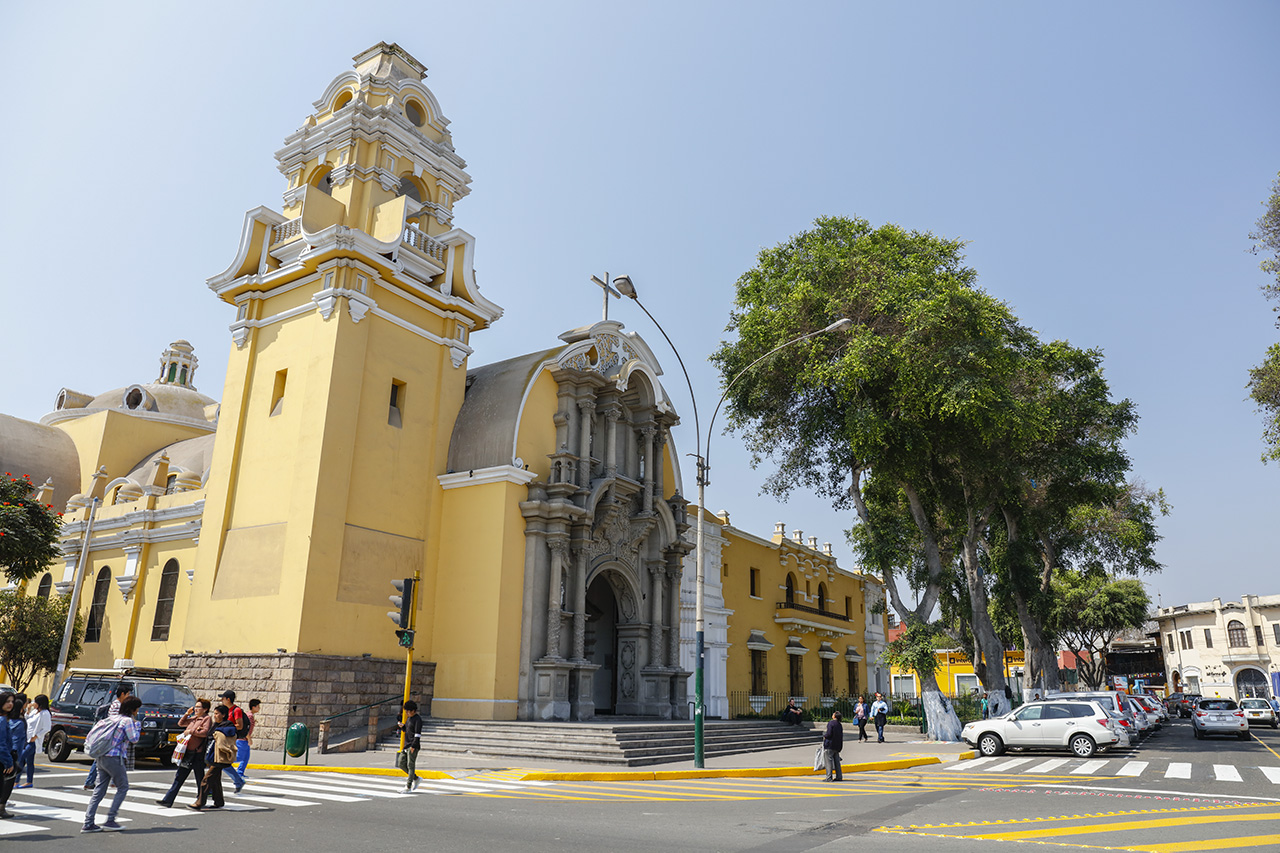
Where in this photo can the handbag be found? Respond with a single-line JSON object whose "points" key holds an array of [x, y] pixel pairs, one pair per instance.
{"points": [[402, 760], [180, 748], [818, 762]]}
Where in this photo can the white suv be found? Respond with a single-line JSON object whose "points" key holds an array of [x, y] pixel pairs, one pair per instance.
{"points": [[1081, 725]]}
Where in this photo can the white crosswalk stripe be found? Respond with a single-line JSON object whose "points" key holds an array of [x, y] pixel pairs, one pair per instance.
{"points": [[1122, 768], [1051, 764], [1006, 765], [1178, 770], [1133, 768], [1272, 773], [1226, 773], [1089, 767]]}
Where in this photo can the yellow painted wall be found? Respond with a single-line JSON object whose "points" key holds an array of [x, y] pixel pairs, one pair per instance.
{"points": [[953, 663]]}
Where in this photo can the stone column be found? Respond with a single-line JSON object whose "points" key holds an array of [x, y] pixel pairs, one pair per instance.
{"points": [[656, 581], [673, 610], [580, 602], [586, 409], [648, 432], [559, 546], [659, 486], [611, 432]]}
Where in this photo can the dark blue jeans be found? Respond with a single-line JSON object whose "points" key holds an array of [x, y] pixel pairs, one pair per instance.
{"points": [[29, 762]]}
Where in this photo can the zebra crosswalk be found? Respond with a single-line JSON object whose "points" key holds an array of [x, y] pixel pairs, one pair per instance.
{"points": [[1121, 768], [63, 800]]}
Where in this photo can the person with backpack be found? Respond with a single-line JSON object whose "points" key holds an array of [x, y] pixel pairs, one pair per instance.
{"points": [[111, 709], [110, 742], [236, 716], [8, 767]]}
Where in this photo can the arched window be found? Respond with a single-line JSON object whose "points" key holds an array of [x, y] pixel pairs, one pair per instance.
{"points": [[791, 589], [98, 609], [822, 597], [409, 188], [1236, 636], [164, 601], [46, 586], [171, 484]]}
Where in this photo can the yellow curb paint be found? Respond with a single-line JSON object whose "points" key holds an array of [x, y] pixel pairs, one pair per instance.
{"points": [[354, 771], [736, 773], [1121, 826], [1215, 844]]}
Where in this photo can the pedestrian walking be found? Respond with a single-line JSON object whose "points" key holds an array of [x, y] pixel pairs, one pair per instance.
{"points": [[114, 767], [985, 706], [237, 718], [880, 714], [39, 722], [9, 774], [860, 715], [412, 729], [219, 755], [832, 744], [245, 744], [111, 709], [198, 724]]}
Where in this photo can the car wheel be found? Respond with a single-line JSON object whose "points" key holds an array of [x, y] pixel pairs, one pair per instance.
{"points": [[1083, 746], [1243, 735], [1199, 734], [990, 744], [59, 746]]}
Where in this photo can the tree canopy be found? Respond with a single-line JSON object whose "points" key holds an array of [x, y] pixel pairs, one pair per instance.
{"points": [[28, 530], [1264, 380], [31, 631], [1089, 611]]}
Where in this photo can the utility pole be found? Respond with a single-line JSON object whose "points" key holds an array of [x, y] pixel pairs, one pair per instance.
{"points": [[74, 607]]}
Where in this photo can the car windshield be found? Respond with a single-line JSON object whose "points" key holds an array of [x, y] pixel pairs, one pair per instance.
{"points": [[164, 695], [1256, 703], [1217, 705]]}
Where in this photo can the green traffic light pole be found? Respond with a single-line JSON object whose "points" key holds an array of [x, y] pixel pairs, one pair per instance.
{"points": [[627, 288]]}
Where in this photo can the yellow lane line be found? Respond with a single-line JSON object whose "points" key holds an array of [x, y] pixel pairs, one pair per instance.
{"points": [[1270, 841], [1074, 845], [1123, 826], [1094, 816], [1263, 743]]}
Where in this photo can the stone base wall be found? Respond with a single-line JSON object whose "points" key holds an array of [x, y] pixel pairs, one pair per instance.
{"points": [[303, 688]]}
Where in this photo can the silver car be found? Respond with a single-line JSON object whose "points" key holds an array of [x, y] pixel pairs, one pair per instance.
{"points": [[1218, 716], [1153, 706], [1141, 720], [1081, 726]]}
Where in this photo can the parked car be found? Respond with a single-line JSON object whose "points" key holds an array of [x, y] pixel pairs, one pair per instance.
{"points": [[1187, 704], [1141, 721], [1122, 727], [1259, 712], [1152, 705], [1218, 716], [1079, 725], [1111, 700], [1171, 703], [164, 699]]}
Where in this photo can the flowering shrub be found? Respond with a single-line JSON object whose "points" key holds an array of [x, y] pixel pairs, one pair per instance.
{"points": [[28, 530]]}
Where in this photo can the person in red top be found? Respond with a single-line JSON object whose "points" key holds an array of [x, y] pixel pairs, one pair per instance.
{"points": [[237, 718]]}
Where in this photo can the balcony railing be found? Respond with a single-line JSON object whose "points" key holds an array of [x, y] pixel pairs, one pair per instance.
{"points": [[804, 608], [286, 231], [418, 239]]}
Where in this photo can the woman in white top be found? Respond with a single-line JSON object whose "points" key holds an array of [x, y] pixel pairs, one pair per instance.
{"points": [[39, 722]]}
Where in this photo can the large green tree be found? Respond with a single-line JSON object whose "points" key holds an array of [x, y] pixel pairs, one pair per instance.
{"points": [[28, 530], [31, 630], [1264, 380], [1091, 609], [916, 404]]}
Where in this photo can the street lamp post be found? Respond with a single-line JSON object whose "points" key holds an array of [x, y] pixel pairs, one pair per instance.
{"points": [[625, 286]]}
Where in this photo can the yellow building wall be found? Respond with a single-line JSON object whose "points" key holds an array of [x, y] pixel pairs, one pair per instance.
{"points": [[119, 442], [952, 664]]}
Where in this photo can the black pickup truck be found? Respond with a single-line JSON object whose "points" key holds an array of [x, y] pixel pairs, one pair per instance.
{"points": [[164, 700]]}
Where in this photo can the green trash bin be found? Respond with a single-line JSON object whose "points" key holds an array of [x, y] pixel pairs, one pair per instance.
{"points": [[297, 740]]}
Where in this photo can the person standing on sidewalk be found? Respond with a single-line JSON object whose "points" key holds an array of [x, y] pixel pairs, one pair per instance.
{"points": [[860, 714], [114, 767], [245, 744], [198, 725], [237, 718], [39, 722], [880, 713], [832, 743], [8, 765], [412, 728]]}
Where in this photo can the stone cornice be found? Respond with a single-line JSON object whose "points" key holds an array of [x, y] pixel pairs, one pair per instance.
{"points": [[484, 476]]}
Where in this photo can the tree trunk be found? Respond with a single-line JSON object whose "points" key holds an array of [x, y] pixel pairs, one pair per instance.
{"points": [[987, 645], [944, 724], [1041, 671]]}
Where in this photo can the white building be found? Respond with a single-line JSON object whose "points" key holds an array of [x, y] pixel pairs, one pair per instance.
{"points": [[1223, 648]]}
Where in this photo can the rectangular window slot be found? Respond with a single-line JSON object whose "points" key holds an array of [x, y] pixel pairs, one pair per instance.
{"points": [[755, 583], [394, 417], [277, 393], [1208, 639]]}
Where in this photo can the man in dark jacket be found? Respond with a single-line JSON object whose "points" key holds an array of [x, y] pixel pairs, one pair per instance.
{"points": [[832, 743]]}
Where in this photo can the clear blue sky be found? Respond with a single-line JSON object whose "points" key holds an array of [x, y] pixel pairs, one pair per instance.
{"points": [[1105, 162]]}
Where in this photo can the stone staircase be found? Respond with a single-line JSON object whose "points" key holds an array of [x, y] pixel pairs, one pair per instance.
{"points": [[632, 743]]}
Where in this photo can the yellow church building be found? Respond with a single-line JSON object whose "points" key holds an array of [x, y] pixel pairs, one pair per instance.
{"points": [[251, 541]]}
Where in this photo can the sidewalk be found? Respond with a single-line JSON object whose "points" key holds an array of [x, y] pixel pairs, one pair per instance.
{"points": [[899, 751]]}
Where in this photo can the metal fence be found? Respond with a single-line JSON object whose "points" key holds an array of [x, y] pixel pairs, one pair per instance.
{"points": [[903, 710]]}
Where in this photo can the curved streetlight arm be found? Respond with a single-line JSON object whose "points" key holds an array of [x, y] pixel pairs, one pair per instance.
{"points": [[697, 431], [837, 326]]}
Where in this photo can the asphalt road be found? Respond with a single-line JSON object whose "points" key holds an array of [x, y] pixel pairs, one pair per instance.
{"points": [[1167, 793]]}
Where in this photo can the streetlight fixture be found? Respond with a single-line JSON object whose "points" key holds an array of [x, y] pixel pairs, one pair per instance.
{"points": [[624, 286]]}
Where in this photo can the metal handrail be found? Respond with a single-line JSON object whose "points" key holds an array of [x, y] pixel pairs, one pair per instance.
{"points": [[791, 605], [361, 708]]}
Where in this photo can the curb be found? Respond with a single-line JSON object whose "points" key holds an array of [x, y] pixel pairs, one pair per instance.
{"points": [[355, 771], [738, 773]]}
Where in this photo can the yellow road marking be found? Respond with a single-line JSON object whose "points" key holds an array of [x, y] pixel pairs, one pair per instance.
{"points": [[1123, 826], [1264, 746], [1213, 844]]}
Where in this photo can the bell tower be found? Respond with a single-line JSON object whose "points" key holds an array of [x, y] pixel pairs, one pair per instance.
{"points": [[354, 309]]}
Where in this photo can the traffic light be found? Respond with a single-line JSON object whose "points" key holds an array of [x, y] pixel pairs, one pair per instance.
{"points": [[403, 617]]}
